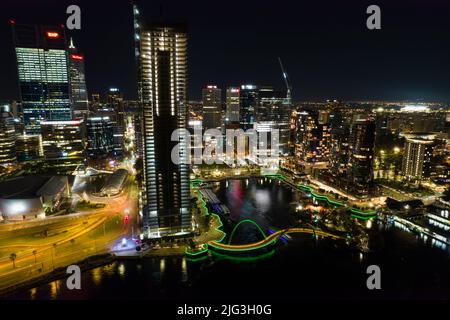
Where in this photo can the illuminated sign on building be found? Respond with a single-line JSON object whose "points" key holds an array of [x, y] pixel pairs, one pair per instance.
{"points": [[52, 34], [76, 57]]}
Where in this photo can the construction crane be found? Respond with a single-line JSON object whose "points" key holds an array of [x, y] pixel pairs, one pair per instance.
{"points": [[287, 83]]}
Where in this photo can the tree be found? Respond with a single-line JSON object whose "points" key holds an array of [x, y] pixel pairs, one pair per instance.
{"points": [[13, 257], [35, 253]]}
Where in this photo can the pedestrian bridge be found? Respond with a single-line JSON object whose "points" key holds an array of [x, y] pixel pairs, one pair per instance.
{"points": [[268, 239]]}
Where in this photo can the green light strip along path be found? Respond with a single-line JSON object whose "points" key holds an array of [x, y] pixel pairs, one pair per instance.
{"points": [[364, 215], [271, 239], [205, 248]]}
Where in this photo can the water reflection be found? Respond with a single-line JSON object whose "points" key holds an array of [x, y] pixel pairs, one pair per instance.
{"points": [[96, 276], [121, 270], [300, 264], [33, 292], [54, 289], [184, 273]]}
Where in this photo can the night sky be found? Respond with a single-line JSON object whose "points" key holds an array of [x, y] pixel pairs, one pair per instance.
{"points": [[325, 46]]}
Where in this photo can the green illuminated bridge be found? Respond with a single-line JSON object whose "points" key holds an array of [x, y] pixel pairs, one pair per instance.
{"points": [[267, 241], [271, 239], [220, 245]]}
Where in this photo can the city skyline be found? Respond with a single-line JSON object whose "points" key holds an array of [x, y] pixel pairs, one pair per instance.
{"points": [[335, 57], [246, 152]]}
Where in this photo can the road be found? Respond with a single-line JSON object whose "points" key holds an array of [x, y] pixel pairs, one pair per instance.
{"points": [[68, 240]]}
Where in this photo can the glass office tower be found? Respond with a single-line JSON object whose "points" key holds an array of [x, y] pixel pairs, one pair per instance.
{"points": [[42, 65], [77, 81], [212, 107]]}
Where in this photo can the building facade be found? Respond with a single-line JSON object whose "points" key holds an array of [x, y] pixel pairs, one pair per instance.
{"points": [[43, 70], [165, 196], [28, 147], [7, 138], [212, 107], [80, 103], [249, 105], [100, 136], [232, 105], [63, 143], [272, 107], [417, 155], [361, 154]]}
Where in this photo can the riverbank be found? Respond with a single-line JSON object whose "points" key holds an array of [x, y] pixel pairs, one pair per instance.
{"points": [[59, 273]]}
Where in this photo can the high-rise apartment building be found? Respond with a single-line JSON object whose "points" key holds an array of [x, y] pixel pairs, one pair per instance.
{"points": [[417, 156], [360, 161], [165, 196], [313, 136]]}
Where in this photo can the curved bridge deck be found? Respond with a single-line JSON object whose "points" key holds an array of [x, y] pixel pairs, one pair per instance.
{"points": [[268, 240]]}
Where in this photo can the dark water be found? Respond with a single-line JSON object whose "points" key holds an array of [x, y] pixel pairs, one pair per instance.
{"points": [[304, 268], [264, 201]]}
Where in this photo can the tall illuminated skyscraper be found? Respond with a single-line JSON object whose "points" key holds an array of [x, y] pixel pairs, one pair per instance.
{"points": [[7, 137], [43, 70], [77, 81], [360, 162], [165, 198], [417, 156]]}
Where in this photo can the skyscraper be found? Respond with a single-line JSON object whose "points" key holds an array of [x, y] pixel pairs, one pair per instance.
{"points": [[417, 156], [43, 70], [272, 107], [313, 137], [249, 104], [165, 198], [360, 163], [233, 105], [212, 105], [115, 106], [77, 81], [7, 138]]}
